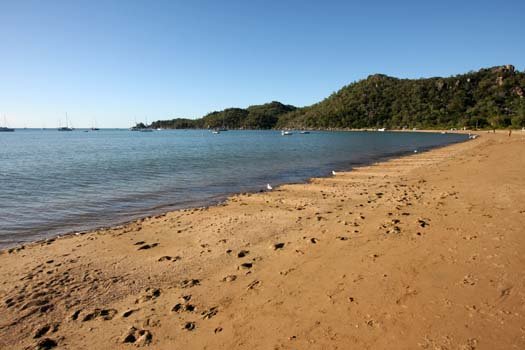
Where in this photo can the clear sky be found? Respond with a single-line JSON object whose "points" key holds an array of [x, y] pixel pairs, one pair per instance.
{"points": [[116, 61]]}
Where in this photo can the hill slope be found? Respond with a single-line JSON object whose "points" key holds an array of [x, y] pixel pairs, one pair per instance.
{"points": [[263, 116], [490, 97]]}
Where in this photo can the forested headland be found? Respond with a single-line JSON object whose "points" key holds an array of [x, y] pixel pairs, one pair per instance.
{"points": [[488, 98]]}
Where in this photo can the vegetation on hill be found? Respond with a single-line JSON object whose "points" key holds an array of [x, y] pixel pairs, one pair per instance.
{"points": [[491, 97], [254, 117]]}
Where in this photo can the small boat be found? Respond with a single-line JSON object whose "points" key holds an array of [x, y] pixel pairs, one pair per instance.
{"points": [[65, 128], [381, 129], [286, 133], [6, 128], [304, 132], [215, 132], [94, 126]]}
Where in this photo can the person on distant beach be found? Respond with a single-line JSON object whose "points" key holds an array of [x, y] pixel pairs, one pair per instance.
{"points": [[510, 132]]}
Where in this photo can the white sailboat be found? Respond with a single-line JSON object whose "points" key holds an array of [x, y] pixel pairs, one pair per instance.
{"points": [[66, 127], [5, 128]]}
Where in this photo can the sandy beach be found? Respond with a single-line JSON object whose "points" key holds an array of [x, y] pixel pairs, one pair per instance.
{"points": [[419, 252]]}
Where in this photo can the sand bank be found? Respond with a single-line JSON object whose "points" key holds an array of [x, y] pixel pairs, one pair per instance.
{"points": [[419, 252]]}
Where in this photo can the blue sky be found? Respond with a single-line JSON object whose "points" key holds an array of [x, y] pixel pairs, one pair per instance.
{"points": [[116, 61]]}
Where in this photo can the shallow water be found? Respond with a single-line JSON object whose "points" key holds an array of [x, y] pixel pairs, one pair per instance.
{"points": [[55, 182]]}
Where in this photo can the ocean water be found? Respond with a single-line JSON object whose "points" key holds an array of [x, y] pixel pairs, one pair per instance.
{"points": [[56, 182]]}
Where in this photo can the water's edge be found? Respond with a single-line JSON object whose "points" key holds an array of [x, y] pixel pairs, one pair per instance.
{"points": [[213, 201]]}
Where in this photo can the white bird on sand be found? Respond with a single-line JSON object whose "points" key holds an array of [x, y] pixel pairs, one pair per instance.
{"points": [[269, 187], [334, 173], [415, 151]]}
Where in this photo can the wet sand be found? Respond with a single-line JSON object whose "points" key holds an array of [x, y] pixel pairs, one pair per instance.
{"points": [[419, 252]]}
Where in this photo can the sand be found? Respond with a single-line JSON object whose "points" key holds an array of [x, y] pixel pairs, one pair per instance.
{"points": [[419, 252]]}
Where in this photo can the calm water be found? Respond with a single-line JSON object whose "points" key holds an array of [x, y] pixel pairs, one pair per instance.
{"points": [[55, 182]]}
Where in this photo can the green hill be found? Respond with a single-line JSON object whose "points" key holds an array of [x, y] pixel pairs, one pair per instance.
{"points": [[263, 116], [490, 97]]}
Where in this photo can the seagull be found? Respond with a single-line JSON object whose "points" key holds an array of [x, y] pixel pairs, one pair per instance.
{"points": [[334, 173], [415, 151], [269, 187]]}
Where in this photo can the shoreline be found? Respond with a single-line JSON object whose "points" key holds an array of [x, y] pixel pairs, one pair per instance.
{"points": [[220, 199], [421, 251]]}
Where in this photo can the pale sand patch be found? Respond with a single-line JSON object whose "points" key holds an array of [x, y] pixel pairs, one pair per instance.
{"points": [[420, 252]]}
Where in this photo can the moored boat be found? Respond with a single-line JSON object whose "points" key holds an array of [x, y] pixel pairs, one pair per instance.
{"points": [[66, 127], [6, 128]]}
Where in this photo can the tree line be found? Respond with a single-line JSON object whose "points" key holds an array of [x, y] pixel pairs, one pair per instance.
{"points": [[488, 98]]}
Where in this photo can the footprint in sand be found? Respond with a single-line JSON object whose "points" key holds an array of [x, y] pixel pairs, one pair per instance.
{"points": [[278, 246], [169, 258], [189, 326], [148, 246], [46, 344], [184, 305], [128, 313], [243, 253], [253, 285], [104, 314], [189, 283], [150, 294], [246, 266], [423, 222], [45, 329], [229, 278], [178, 308], [74, 315], [138, 337], [207, 314]]}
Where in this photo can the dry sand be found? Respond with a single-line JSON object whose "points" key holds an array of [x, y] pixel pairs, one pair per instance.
{"points": [[419, 252]]}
